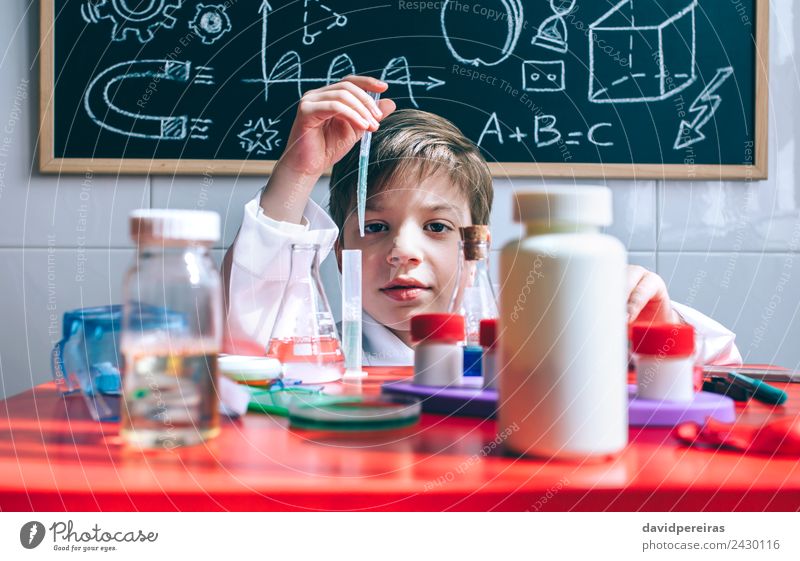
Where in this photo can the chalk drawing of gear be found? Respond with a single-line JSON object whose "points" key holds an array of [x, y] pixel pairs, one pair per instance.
{"points": [[142, 19], [107, 115], [210, 22]]}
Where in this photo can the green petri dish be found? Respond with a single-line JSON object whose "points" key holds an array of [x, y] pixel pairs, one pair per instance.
{"points": [[356, 413]]}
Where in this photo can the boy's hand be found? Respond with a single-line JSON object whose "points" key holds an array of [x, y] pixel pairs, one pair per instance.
{"points": [[648, 300], [330, 120]]}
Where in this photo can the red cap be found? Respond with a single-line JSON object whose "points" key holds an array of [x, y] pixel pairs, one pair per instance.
{"points": [[662, 339], [488, 335], [437, 328]]}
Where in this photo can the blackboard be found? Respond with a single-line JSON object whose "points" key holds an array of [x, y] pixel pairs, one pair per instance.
{"points": [[575, 88]]}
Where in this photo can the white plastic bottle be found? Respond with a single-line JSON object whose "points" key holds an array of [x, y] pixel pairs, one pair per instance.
{"points": [[563, 357]]}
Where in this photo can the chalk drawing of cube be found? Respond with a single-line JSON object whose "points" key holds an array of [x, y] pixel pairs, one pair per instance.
{"points": [[642, 50]]}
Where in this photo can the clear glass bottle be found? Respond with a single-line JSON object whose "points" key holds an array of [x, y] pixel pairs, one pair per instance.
{"points": [[170, 360], [474, 296], [304, 336]]}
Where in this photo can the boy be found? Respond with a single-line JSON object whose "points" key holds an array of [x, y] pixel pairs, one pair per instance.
{"points": [[426, 180]]}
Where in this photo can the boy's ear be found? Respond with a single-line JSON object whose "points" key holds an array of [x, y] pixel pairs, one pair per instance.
{"points": [[337, 248]]}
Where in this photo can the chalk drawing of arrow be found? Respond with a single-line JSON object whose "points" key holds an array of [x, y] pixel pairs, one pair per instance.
{"points": [[289, 70], [264, 10], [705, 105], [430, 83]]}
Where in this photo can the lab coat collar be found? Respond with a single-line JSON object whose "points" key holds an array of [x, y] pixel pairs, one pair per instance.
{"points": [[382, 347]]}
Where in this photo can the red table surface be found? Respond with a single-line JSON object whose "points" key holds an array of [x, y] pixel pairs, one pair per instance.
{"points": [[53, 457]]}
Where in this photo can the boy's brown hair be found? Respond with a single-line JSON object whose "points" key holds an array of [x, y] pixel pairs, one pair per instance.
{"points": [[412, 143]]}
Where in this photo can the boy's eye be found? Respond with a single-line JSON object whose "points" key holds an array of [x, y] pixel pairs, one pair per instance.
{"points": [[374, 228], [438, 227]]}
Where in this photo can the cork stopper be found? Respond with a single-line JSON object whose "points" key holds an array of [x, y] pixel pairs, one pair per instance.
{"points": [[476, 242]]}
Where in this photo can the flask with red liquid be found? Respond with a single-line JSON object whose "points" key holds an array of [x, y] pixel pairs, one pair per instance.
{"points": [[304, 336]]}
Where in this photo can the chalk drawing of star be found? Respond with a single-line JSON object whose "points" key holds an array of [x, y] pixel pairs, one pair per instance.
{"points": [[258, 137]]}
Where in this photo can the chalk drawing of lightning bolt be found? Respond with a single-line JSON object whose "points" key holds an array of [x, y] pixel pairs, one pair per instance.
{"points": [[705, 105]]}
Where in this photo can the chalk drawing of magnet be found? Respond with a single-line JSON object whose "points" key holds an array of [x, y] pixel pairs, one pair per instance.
{"points": [[134, 122]]}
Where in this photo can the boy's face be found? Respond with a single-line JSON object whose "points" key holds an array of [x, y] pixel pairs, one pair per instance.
{"points": [[409, 249]]}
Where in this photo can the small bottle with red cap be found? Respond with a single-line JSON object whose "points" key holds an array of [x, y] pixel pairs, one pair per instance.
{"points": [[488, 338], [664, 358], [438, 355]]}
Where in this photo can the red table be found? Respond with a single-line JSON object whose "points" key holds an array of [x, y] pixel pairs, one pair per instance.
{"points": [[53, 457]]}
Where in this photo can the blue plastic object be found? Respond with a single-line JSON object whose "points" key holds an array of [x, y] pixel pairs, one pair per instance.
{"points": [[472, 360], [87, 358]]}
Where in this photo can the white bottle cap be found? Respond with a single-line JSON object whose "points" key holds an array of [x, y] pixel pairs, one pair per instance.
{"points": [[585, 205], [159, 225]]}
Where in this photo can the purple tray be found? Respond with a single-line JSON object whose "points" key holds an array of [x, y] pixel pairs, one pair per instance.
{"points": [[457, 400], [476, 402], [651, 413]]}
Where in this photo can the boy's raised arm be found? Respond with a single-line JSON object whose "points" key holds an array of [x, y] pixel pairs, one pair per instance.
{"points": [[329, 121]]}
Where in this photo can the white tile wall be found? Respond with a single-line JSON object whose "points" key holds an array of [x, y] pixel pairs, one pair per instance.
{"points": [[226, 195], [756, 295], [741, 234], [634, 210], [37, 286]]}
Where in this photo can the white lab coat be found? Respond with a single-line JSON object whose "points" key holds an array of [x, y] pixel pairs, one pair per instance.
{"points": [[260, 268]]}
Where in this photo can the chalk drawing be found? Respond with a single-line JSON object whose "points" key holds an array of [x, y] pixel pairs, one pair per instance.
{"points": [[492, 126], [289, 70], [210, 22], [258, 137], [141, 20], [397, 72], [543, 75], [552, 33], [328, 17], [638, 71], [102, 110], [513, 20], [517, 135], [704, 105]]}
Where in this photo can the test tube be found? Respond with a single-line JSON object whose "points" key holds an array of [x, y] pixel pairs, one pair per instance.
{"points": [[351, 312], [363, 162]]}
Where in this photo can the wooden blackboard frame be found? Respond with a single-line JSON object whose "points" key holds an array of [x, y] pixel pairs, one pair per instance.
{"points": [[48, 163]]}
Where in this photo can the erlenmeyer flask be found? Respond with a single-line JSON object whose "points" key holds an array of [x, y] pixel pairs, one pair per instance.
{"points": [[304, 336]]}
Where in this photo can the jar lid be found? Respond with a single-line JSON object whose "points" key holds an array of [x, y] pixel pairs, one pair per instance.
{"points": [[156, 225], [585, 205], [662, 339], [488, 332], [437, 328]]}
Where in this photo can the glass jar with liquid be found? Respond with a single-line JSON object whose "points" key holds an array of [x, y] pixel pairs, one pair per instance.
{"points": [[170, 367]]}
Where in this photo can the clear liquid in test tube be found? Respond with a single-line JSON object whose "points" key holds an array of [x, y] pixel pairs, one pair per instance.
{"points": [[363, 164], [351, 313]]}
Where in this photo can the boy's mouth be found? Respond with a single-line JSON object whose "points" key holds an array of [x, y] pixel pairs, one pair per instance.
{"points": [[404, 289]]}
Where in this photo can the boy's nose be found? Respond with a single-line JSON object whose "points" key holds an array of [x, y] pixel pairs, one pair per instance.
{"points": [[405, 249]]}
